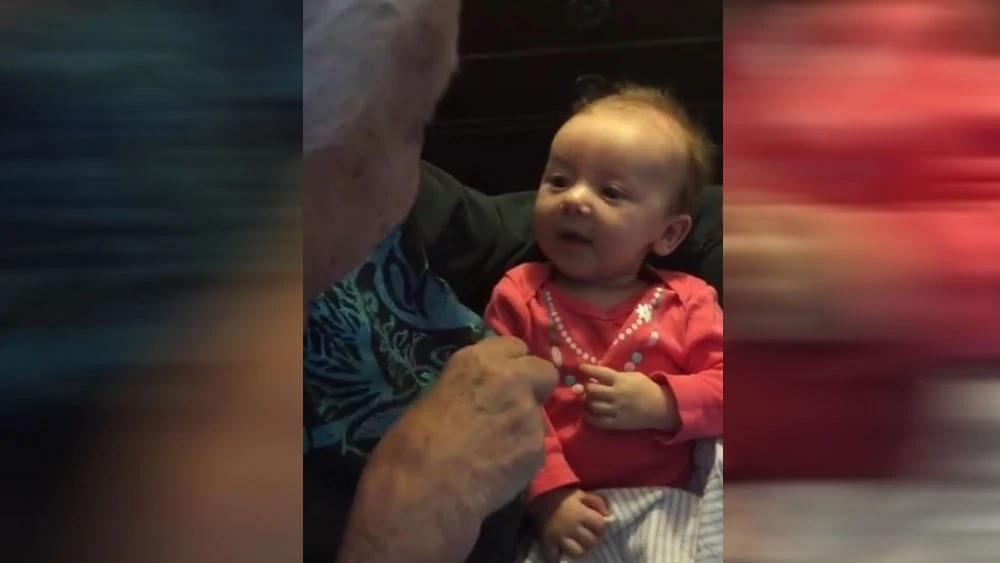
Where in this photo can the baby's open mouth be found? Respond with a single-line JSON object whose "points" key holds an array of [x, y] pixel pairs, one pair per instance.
{"points": [[573, 238]]}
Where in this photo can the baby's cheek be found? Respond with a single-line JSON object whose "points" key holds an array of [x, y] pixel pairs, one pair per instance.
{"points": [[622, 235]]}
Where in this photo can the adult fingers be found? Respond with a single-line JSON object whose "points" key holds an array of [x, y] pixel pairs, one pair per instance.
{"points": [[542, 376], [508, 346]]}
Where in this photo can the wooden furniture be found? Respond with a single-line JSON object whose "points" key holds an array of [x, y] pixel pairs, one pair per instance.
{"points": [[523, 62]]}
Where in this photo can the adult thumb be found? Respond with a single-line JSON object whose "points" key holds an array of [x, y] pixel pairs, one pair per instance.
{"points": [[543, 377]]}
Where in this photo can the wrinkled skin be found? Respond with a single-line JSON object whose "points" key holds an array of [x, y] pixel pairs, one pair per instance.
{"points": [[462, 452]]}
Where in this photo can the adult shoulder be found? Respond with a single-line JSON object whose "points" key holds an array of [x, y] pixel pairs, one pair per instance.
{"points": [[471, 239]]}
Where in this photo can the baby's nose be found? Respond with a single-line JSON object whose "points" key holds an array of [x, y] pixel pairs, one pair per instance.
{"points": [[576, 201]]}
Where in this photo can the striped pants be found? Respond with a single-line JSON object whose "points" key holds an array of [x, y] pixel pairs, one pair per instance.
{"points": [[660, 525]]}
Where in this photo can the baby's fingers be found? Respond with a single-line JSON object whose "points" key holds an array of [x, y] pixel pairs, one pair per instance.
{"points": [[610, 422], [594, 522], [572, 548], [586, 538], [551, 552], [600, 409], [596, 502]]}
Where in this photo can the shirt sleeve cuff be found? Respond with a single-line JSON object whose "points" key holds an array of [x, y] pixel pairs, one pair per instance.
{"points": [[552, 477], [688, 395]]}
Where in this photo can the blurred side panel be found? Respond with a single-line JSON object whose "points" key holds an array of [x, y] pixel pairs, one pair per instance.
{"points": [[151, 301], [862, 243]]}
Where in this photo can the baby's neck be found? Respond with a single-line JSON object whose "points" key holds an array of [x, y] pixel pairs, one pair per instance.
{"points": [[603, 293]]}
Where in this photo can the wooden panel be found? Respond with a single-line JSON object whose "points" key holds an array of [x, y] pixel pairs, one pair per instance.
{"points": [[521, 60], [508, 154], [494, 158], [545, 84], [512, 25]]}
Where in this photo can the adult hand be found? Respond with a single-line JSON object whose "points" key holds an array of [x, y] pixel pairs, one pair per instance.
{"points": [[466, 449], [570, 522], [487, 409], [627, 401]]}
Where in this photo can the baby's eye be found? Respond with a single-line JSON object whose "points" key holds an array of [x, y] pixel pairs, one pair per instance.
{"points": [[559, 181], [611, 193]]}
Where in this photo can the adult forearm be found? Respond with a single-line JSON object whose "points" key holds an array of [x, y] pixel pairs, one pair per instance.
{"points": [[405, 510], [464, 450]]}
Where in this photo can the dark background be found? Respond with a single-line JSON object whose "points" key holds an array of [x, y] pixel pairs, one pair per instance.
{"points": [[523, 63]]}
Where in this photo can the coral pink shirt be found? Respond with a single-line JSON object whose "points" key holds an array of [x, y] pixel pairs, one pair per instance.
{"points": [[672, 332], [899, 123]]}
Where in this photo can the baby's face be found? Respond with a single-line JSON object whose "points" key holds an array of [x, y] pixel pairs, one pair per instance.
{"points": [[607, 193]]}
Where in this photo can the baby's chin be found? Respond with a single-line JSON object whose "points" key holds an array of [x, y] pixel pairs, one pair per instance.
{"points": [[593, 271], [577, 271]]}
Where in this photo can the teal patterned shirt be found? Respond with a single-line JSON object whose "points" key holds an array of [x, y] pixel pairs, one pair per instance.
{"points": [[374, 342]]}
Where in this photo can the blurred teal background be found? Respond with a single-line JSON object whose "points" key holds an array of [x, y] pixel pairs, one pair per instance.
{"points": [[143, 146], [149, 151]]}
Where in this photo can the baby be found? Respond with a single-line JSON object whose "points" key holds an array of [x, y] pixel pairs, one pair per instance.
{"points": [[639, 350]]}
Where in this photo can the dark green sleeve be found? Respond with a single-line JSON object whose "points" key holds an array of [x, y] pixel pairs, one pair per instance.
{"points": [[472, 239]]}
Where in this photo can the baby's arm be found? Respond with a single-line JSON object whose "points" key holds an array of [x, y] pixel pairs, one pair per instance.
{"points": [[697, 396], [508, 315]]}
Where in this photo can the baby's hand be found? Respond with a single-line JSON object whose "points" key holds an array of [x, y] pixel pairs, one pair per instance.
{"points": [[570, 522], [627, 401]]}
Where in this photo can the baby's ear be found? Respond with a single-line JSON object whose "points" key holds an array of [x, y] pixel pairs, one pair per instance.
{"points": [[676, 229]]}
